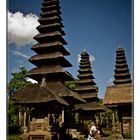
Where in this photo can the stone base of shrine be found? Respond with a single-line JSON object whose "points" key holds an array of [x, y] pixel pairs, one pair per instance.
{"points": [[38, 136]]}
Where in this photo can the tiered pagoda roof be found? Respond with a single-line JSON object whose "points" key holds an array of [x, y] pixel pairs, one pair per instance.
{"points": [[85, 84], [86, 87], [122, 75], [122, 90], [49, 61]]}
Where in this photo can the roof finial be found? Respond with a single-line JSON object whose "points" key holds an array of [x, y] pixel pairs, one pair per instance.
{"points": [[84, 50], [120, 45], [43, 82]]}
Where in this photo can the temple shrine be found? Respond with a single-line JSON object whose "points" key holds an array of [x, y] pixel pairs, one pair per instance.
{"points": [[48, 103], [119, 97], [88, 89]]}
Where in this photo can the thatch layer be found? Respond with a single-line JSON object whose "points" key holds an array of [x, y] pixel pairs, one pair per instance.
{"points": [[52, 19], [55, 57], [51, 25], [88, 95], [52, 6], [121, 75], [36, 94], [49, 13], [81, 81], [50, 28], [38, 74], [53, 90], [50, 1], [55, 33], [122, 81], [50, 47], [81, 75], [50, 37], [92, 106], [85, 70], [46, 56], [59, 89], [49, 18], [46, 70], [50, 44], [118, 94], [86, 87]]}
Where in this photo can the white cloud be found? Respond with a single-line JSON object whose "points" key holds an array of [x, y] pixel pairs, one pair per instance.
{"points": [[15, 70], [110, 82], [22, 28], [91, 57], [32, 81], [78, 58], [19, 54]]}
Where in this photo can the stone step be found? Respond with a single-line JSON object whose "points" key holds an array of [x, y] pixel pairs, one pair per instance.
{"points": [[76, 134]]}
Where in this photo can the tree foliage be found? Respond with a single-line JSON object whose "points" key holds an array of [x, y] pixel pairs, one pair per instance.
{"points": [[70, 84], [17, 82]]}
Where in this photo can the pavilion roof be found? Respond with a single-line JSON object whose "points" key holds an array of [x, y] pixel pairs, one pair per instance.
{"points": [[36, 94], [52, 91], [119, 94], [64, 91]]}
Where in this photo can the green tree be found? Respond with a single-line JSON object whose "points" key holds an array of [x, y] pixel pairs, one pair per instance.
{"points": [[70, 84], [17, 82]]}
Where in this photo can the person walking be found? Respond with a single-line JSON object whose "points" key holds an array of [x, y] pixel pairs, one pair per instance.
{"points": [[94, 134]]}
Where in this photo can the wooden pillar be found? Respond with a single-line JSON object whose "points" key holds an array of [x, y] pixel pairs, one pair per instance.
{"points": [[29, 119], [49, 119], [113, 117], [63, 115], [25, 119], [20, 118]]}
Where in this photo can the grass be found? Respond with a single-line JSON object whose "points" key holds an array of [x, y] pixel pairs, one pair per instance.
{"points": [[13, 137]]}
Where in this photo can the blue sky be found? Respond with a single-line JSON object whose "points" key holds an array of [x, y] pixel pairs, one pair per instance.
{"points": [[99, 26]]}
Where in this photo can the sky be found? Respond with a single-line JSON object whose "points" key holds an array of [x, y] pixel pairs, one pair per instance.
{"points": [[97, 26]]}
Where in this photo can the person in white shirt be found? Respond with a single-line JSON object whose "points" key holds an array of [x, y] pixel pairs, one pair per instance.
{"points": [[93, 132]]}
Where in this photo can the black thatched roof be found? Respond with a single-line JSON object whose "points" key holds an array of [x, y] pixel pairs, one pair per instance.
{"points": [[84, 75], [45, 93], [50, 37], [121, 75], [55, 57], [57, 46], [121, 92], [34, 94], [88, 94], [50, 62], [118, 94], [50, 50], [85, 81], [59, 89], [50, 13], [85, 85], [50, 71], [82, 81], [86, 88], [92, 106], [49, 7], [53, 18], [50, 28]]}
